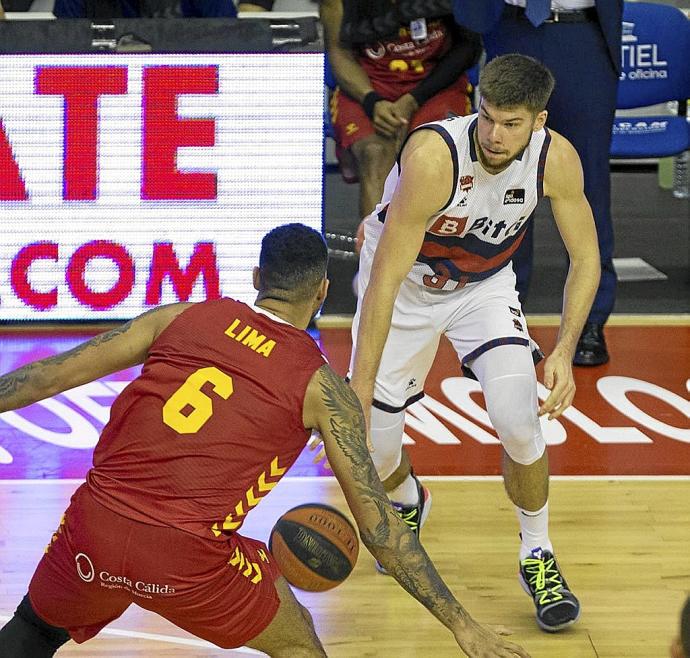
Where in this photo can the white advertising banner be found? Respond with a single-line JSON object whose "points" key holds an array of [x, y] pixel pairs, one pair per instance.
{"points": [[128, 181]]}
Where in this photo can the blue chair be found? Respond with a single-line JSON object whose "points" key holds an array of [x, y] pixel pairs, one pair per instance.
{"points": [[656, 69]]}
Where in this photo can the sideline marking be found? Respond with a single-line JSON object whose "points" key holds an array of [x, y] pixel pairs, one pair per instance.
{"points": [[552, 320]]}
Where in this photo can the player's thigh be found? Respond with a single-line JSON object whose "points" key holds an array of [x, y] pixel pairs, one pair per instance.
{"points": [[291, 632], [350, 123], [491, 316], [68, 589], [410, 346]]}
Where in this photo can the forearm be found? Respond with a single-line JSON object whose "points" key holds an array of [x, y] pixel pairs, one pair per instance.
{"points": [[580, 287], [351, 77], [462, 56], [341, 424], [405, 559], [26, 385], [374, 325]]}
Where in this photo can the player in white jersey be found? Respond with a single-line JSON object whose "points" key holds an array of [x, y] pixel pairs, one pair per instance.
{"points": [[436, 260]]}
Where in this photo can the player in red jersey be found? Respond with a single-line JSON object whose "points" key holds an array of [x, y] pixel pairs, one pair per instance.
{"points": [[218, 414], [398, 65]]}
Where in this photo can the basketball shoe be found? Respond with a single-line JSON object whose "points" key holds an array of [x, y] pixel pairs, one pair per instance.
{"points": [[541, 577], [414, 516]]}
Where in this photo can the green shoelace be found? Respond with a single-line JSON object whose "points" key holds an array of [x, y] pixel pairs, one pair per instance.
{"points": [[544, 579]]}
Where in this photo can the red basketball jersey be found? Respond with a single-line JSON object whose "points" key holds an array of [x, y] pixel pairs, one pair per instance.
{"points": [[211, 424], [397, 65]]}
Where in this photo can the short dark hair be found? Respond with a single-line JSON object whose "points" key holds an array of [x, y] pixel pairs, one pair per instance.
{"points": [[685, 628], [514, 80], [293, 259]]}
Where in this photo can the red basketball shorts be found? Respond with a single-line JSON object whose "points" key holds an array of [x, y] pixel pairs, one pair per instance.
{"points": [[351, 124], [100, 562]]}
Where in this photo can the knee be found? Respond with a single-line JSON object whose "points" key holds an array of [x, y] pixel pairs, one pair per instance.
{"points": [[511, 401], [308, 647], [374, 156], [520, 433], [308, 619], [386, 431]]}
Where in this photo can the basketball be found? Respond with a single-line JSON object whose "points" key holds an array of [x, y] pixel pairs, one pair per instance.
{"points": [[315, 546]]}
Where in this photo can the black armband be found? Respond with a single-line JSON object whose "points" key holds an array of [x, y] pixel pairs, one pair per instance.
{"points": [[369, 101]]}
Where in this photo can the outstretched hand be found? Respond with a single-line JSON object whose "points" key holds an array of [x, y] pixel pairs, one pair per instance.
{"points": [[558, 378], [478, 641]]}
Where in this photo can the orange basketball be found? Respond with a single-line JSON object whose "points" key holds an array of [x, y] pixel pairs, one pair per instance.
{"points": [[315, 546]]}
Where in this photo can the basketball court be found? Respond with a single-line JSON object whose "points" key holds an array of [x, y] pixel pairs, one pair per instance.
{"points": [[619, 498]]}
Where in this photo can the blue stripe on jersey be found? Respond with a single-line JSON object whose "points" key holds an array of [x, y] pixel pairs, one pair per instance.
{"points": [[470, 136], [474, 244], [448, 268], [542, 163]]}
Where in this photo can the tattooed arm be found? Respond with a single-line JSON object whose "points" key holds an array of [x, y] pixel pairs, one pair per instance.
{"points": [[120, 348], [332, 408]]}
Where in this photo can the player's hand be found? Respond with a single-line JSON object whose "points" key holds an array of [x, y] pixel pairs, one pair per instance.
{"points": [[405, 107], [478, 641], [558, 378], [316, 443], [388, 119]]}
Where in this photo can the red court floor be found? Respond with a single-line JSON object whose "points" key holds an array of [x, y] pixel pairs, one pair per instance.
{"points": [[630, 417]]}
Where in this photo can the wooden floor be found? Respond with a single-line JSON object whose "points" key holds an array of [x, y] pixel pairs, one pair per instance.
{"points": [[624, 546]]}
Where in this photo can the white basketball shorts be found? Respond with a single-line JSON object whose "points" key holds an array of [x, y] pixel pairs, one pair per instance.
{"points": [[476, 318]]}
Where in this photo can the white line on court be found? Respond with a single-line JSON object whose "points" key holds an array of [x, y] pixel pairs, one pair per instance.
{"points": [[240, 651]]}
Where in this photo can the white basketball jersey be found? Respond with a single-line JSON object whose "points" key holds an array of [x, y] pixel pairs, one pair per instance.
{"points": [[484, 221]]}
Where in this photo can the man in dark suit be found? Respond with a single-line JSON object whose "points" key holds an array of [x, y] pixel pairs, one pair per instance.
{"points": [[579, 40]]}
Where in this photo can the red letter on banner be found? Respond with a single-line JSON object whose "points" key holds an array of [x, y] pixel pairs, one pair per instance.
{"points": [[76, 269], [165, 132], [81, 86], [164, 263], [20, 279], [11, 183]]}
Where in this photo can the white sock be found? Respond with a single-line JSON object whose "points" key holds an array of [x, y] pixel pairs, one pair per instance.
{"points": [[534, 529], [406, 492]]}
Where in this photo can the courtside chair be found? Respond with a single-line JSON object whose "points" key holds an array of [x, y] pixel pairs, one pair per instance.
{"points": [[656, 69]]}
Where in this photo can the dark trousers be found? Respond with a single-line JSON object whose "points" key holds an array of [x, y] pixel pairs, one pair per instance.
{"points": [[581, 109]]}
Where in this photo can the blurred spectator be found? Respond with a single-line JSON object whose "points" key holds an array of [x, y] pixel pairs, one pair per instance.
{"points": [[580, 42], [395, 70], [156, 8], [681, 645]]}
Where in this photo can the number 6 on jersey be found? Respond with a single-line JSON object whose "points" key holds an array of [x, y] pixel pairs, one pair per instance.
{"points": [[191, 395]]}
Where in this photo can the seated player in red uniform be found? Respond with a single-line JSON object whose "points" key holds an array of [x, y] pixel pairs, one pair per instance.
{"points": [[398, 65], [222, 409]]}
